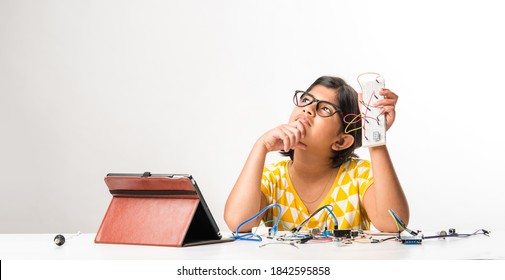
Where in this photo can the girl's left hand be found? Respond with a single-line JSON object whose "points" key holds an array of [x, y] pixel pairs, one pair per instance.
{"points": [[388, 106]]}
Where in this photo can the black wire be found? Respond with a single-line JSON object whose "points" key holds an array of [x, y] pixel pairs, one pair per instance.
{"points": [[298, 228]]}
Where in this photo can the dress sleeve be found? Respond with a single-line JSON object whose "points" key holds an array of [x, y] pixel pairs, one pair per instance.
{"points": [[267, 184]]}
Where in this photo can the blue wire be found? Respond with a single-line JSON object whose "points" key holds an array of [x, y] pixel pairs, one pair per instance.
{"points": [[333, 215], [253, 236]]}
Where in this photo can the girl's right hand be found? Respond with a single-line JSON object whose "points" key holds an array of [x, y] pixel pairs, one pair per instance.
{"points": [[285, 137]]}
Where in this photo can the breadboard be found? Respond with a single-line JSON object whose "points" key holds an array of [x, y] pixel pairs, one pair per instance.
{"points": [[374, 124]]}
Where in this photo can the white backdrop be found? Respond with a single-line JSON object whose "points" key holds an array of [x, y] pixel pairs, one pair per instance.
{"points": [[92, 87]]}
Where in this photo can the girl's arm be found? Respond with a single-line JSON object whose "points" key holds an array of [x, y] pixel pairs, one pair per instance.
{"points": [[386, 192], [246, 198]]}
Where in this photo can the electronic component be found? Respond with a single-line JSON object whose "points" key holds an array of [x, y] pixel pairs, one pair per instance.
{"points": [[376, 136], [59, 239], [314, 231], [295, 237], [342, 233], [373, 122], [411, 239], [272, 232]]}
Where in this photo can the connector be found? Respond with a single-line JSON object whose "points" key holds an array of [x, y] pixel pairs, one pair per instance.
{"points": [[296, 229], [272, 231]]}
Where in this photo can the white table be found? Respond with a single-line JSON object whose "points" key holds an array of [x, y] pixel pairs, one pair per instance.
{"points": [[35, 256], [82, 247]]}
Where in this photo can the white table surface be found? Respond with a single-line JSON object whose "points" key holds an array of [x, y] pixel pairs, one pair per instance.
{"points": [[82, 247]]}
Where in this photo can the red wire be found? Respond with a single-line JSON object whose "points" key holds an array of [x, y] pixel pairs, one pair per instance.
{"points": [[362, 116]]}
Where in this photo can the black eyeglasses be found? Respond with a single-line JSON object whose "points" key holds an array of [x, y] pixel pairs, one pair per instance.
{"points": [[323, 108]]}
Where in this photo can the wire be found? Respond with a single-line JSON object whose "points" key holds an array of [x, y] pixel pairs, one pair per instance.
{"points": [[362, 116], [264, 223], [253, 236], [400, 224], [479, 231], [357, 118], [384, 239], [327, 207]]}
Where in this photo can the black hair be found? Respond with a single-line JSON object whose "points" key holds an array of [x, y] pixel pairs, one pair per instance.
{"points": [[347, 100]]}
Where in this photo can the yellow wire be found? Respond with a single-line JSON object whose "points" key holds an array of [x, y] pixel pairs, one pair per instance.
{"points": [[352, 122], [398, 225]]}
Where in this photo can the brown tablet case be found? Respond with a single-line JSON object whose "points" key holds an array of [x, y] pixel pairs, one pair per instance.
{"points": [[160, 210]]}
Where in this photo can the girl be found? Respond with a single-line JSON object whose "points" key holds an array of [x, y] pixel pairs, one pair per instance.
{"points": [[323, 169]]}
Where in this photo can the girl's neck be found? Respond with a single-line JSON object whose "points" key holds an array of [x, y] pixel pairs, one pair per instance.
{"points": [[311, 167]]}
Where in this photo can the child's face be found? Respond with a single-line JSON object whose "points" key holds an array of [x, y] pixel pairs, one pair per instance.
{"points": [[321, 132]]}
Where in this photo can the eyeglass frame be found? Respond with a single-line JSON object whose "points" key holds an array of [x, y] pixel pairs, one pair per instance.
{"points": [[314, 99]]}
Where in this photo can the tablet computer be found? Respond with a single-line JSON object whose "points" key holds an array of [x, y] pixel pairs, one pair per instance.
{"points": [[157, 209]]}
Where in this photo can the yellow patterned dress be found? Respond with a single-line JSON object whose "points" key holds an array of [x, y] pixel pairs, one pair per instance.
{"points": [[346, 196]]}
